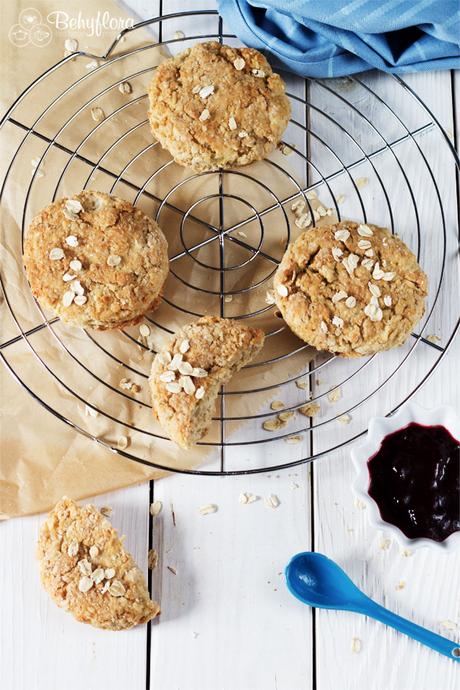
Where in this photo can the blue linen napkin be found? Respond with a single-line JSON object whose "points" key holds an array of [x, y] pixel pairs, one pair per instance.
{"points": [[333, 38]]}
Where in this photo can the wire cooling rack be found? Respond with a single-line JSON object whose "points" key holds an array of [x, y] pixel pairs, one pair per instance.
{"points": [[367, 147]]}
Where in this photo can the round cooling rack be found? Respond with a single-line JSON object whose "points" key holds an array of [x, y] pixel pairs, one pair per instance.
{"points": [[365, 148]]}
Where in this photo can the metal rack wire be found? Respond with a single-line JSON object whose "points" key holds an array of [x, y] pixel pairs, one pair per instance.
{"points": [[328, 147]]}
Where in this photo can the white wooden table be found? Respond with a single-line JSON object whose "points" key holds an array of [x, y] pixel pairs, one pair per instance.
{"points": [[228, 622]]}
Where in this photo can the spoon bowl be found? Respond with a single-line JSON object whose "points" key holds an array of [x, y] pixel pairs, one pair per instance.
{"points": [[318, 581]]}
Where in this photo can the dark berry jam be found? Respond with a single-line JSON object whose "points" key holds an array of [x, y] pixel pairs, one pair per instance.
{"points": [[415, 481]]}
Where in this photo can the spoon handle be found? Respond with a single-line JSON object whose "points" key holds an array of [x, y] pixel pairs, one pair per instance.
{"points": [[430, 639]]}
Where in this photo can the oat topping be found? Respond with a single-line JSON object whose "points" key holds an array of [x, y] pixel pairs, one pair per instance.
{"points": [[205, 115], [56, 254], [373, 312], [199, 393], [369, 253], [184, 347], [187, 384], [75, 265], [176, 360], [282, 290], [258, 73], [185, 368], [374, 289], [341, 234], [338, 296], [73, 547], [365, 231], [367, 264], [93, 552], [144, 330], [68, 298], [232, 123], [239, 64], [173, 387], [364, 244], [350, 262], [323, 326], [206, 91], [85, 583], [113, 260], [117, 589], [387, 301], [67, 277], [84, 566], [350, 302], [80, 300], [337, 321], [336, 253], [71, 240]]}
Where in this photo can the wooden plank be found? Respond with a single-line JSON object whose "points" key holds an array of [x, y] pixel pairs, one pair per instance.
{"points": [[227, 619], [420, 586], [42, 646]]}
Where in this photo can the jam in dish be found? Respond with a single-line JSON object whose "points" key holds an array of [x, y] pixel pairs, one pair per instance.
{"points": [[415, 481]]}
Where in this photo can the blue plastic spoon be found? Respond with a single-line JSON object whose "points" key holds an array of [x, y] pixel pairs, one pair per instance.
{"points": [[318, 581]]}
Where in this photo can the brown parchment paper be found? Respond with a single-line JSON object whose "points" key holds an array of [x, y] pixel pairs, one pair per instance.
{"points": [[78, 374]]}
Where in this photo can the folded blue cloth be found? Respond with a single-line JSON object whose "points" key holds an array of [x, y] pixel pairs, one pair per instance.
{"points": [[333, 38]]}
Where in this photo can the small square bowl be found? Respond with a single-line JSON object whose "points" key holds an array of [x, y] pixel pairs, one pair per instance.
{"points": [[379, 427]]}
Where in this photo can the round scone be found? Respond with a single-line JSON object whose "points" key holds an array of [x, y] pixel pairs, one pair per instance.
{"points": [[186, 378], [214, 106], [350, 289], [87, 571], [96, 260]]}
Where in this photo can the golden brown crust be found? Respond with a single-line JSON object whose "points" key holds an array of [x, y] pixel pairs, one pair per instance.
{"points": [[85, 569], [211, 350], [122, 252], [351, 311], [240, 121]]}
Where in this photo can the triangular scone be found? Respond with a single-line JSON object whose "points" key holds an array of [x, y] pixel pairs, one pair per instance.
{"points": [[186, 378], [86, 570]]}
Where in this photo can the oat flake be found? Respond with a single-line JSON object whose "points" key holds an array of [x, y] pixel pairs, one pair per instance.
{"points": [[155, 508], [239, 64], [208, 509]]}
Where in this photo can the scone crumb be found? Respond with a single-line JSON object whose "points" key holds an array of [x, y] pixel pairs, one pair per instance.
{"points": [[152, 559], [334, 395], [344, 419], [293, 439], [122, 442], [277, 405]]}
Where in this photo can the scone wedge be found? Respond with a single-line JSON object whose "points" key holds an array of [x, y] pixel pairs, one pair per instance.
{"points": [[186, 378], [86, 570]]}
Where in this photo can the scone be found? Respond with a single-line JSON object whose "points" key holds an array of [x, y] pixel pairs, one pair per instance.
{"points": [[186, 378], [85, 569], [96, 260], [350, 289], [214, 106]]}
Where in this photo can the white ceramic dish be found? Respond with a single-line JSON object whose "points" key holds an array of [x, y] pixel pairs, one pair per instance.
{"points": [[379, 427]]}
